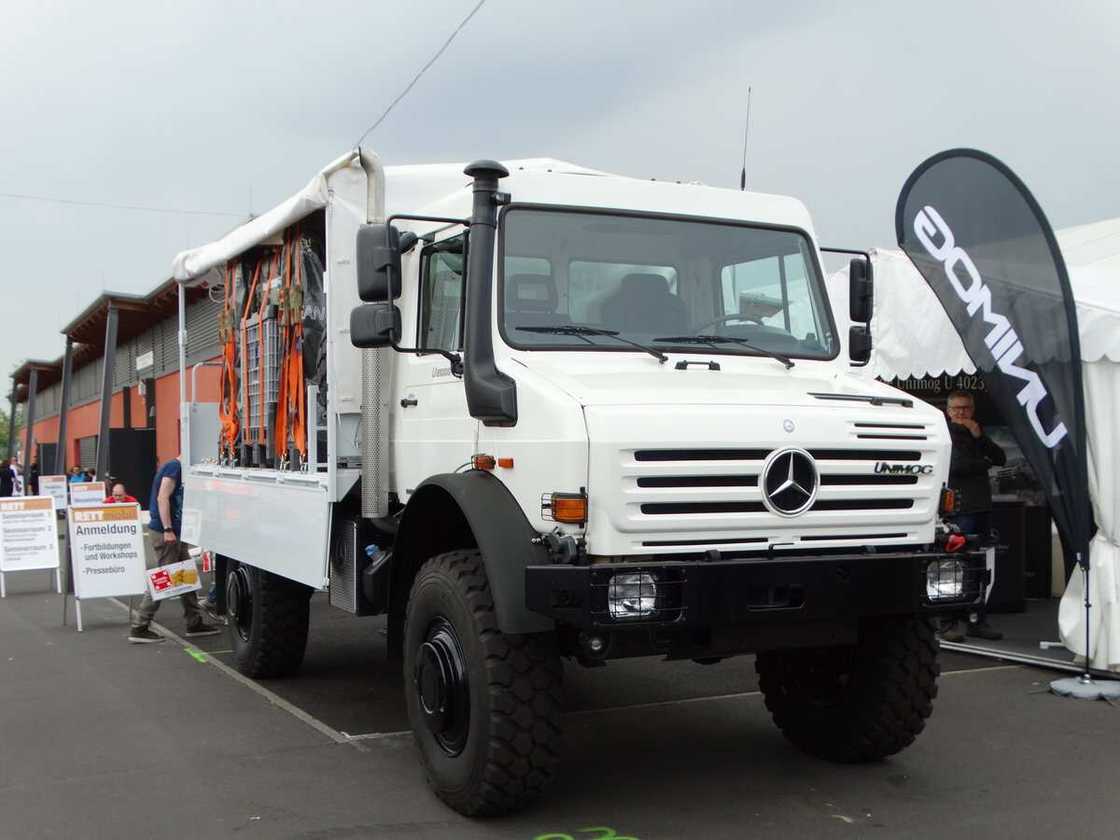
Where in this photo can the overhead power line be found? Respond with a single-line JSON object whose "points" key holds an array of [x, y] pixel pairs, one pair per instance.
{"points": [[423, 70], [110, 205]]}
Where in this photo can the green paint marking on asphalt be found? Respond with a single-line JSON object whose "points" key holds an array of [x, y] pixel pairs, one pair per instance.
{"points": [[601, 832], [196, 654]]}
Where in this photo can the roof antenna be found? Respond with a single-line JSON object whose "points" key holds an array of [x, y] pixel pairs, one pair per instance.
{"points": [[746, 135]]}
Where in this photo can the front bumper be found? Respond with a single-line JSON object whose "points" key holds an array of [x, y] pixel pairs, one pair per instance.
{"points": [[779, 589]]}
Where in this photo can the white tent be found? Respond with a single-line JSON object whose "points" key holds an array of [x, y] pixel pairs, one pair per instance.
{"points": [[912, 337]]}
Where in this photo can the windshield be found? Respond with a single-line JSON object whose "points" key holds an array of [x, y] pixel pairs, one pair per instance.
{"points": [[660, 281]]}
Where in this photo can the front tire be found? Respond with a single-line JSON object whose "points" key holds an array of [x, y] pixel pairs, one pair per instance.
{"points": [[858, 703], [268, 619], [484, 706]]}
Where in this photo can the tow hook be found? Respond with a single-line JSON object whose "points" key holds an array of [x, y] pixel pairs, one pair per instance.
{"points": [[561, 548]]}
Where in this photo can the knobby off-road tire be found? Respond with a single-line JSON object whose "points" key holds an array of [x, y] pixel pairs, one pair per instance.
{"points": [[857, 703], [268, 618], [484, 706]]}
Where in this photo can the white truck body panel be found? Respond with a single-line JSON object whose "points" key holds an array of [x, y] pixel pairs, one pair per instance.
{"points": [[278, 521]]}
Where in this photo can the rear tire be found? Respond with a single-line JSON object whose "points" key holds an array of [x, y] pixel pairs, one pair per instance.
{"points": [[268, 620], [858, 703], [484, 706]]}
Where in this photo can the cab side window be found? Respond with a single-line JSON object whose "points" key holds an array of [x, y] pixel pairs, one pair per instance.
{"points": [[441, 295]]}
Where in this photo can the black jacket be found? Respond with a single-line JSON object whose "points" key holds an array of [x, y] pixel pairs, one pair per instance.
{"points": [[968, 469], [7, 482]]}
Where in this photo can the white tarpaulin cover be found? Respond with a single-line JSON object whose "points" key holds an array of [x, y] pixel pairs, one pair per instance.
{"points": [[913, 337], [410, 188], [197, 261]]}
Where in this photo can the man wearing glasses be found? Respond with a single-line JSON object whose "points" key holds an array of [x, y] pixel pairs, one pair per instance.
{"points": [[973, 455]]}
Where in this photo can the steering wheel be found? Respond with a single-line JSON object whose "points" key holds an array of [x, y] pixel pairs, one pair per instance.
{"points": [[726, 319]]}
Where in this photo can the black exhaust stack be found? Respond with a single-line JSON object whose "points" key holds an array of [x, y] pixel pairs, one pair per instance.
{"points": [[491, 395]]}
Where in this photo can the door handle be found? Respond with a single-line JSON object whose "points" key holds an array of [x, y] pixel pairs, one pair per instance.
{"points": [[407, 401]]}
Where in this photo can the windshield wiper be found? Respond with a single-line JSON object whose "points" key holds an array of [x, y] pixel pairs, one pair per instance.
{"points": [[583, 332], [712, 340]]}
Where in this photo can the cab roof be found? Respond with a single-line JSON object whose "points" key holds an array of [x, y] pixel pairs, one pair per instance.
{"points": [[443, 189]]}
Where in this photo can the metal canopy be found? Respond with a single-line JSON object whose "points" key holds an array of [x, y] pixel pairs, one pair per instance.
{"points": [[135, 314], [46, 374]]}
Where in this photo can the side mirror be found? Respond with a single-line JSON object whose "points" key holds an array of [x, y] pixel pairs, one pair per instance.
{"points": [[374, 325], [859, 344], [860, 291], [379, 263]]}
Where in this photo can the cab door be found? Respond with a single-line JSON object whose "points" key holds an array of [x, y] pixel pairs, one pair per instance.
{"points": [[435, 432]]}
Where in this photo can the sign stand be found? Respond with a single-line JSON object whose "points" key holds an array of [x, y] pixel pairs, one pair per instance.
{"points": [[105, 550], [70, 585], [4, 584], [28, 538]]}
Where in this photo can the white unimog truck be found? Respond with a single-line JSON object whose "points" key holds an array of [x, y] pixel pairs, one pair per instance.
{"points": [[592, 417]]}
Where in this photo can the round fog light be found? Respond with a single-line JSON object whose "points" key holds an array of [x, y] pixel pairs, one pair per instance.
{"points": [[944, 580], [631, 595]]}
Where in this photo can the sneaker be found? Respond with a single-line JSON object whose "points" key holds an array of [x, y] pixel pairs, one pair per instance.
{"points": [[144, 636], [952, 632], [210, 611], [202, 629], [983, 630]]}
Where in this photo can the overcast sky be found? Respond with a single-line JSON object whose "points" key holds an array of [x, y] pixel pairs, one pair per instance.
{"points": [[228, 107]]}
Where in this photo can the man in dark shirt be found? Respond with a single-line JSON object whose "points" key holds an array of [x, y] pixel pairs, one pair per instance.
{"points": [[973, 455], [165, 527]]}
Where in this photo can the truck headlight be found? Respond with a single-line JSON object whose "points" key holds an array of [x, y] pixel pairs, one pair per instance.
{"points": [[631, 595], [945, 580]]}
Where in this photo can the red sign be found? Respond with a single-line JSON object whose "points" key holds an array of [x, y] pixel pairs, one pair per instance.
{"points": [[161, 580]]}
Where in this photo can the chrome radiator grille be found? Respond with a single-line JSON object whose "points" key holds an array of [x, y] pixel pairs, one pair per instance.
{"points": [[702, 498]]}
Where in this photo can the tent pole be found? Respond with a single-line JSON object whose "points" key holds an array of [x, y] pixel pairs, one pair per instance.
{"points": [[1086, 678]]}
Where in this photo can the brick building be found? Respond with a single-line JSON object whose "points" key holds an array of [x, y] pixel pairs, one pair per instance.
{"points": [[143, 383]]}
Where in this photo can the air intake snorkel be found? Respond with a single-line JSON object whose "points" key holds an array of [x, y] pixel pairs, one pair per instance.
{"points": [[491, 395]]}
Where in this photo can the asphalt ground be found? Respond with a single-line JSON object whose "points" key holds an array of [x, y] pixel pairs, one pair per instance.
{"points": [[99, 738]]}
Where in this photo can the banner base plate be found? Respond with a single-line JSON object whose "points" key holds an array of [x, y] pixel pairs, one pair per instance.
{"points": [[1085, 688]]}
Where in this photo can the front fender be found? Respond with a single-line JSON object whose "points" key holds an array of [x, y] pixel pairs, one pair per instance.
{"points": [[456, 510]]}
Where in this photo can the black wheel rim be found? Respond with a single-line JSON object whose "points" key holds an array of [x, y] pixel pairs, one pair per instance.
{"points": [[239, 602], [442, 689]]}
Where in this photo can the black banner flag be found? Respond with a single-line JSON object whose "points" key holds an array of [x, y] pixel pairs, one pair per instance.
{"points": [[981, 241]]}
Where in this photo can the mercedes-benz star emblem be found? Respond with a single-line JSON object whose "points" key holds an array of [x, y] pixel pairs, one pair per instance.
{"points": [[789, 482], [787, 424]]}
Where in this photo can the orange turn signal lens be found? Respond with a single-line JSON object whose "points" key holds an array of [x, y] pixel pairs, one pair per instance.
{"points": [[948, 500], [505, 463], [569, 507], [483, 462]]}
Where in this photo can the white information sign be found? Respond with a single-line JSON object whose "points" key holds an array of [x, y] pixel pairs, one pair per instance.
{"points": [[192, 526], [84, 493], [28, 534], [107, 548], [55, 487]]}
